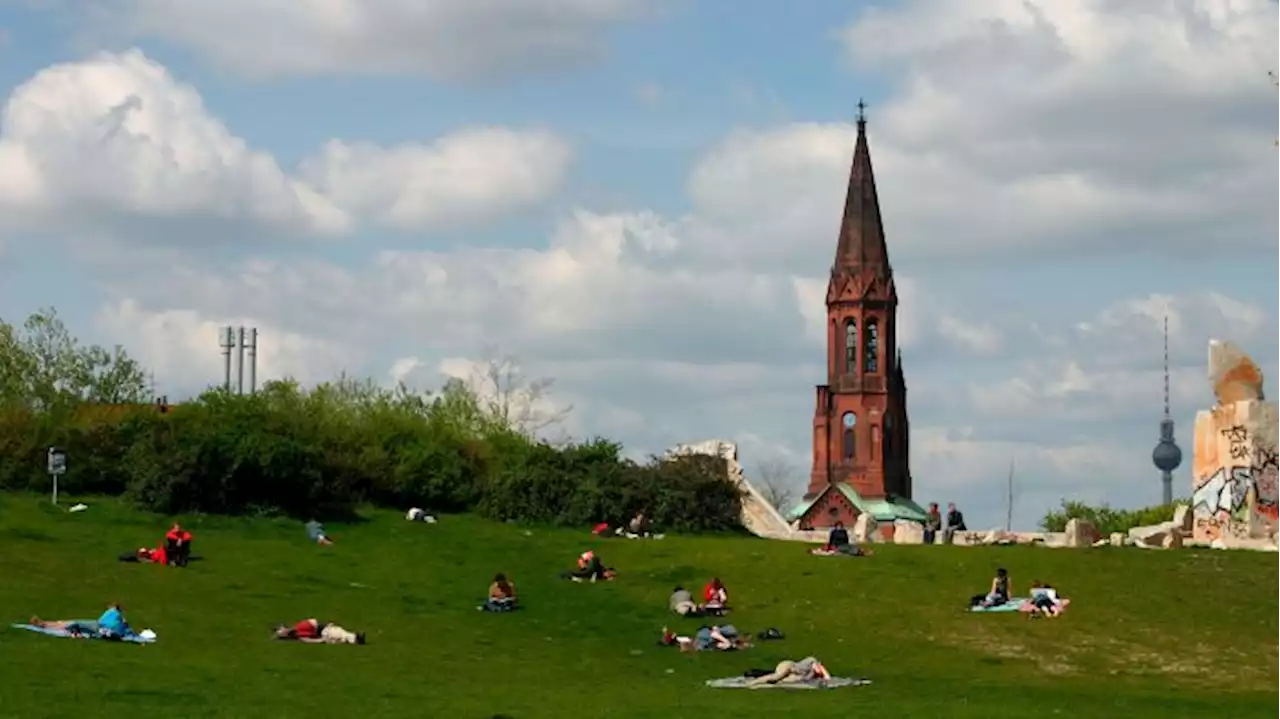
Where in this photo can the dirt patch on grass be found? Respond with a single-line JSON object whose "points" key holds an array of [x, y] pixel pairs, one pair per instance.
{"points": [[1011, 649], [1199, 664]]}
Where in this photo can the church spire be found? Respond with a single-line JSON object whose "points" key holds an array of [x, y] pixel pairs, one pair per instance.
{"points": [[862, 243]]}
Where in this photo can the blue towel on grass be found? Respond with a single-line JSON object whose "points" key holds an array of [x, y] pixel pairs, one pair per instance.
{"points": [[1012, 605], [50, 631]]}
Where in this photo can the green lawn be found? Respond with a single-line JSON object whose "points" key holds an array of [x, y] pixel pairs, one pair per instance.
{"points": [[1159, 634]]}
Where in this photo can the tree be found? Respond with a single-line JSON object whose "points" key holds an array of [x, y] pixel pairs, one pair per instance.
{"points": [[43, 367], [775, 479], [515, 402]]}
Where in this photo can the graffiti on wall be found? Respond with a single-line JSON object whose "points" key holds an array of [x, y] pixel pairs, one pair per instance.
{"points": [[1222, 501]]}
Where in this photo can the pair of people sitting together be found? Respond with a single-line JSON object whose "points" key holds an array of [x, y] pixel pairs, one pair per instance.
{"points": [[1044, 600], [715, 600], [175, 552], [311, 631], [590, 569], [502, 595], [722, 638]]}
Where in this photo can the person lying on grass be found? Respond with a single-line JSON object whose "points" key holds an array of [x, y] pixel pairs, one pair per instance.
{"points": [[723, 638], [1044, 599], [147, 556], [999, 593], [591, 569], [316, 533], [788, 672], [502, 595], [310, 631], [111, 625], [715, 598]]}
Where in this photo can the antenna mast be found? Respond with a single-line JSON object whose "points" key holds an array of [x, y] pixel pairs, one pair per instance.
{"points": [[1008, 501]]}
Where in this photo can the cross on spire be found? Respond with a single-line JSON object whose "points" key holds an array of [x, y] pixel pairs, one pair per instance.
{"points": [[862, 111]]}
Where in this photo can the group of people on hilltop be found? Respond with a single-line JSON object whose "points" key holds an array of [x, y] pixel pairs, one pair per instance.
{"points": [[933, 524]]}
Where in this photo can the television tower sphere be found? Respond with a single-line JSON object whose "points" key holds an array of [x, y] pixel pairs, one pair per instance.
{"points": [[1167, 456]]}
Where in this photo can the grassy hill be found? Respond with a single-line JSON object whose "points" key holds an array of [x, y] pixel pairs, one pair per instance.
{"points": [[1160, 634]]}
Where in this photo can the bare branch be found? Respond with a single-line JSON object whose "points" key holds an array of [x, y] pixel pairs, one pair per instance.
{"points": [[516, 401], [777, 481]]}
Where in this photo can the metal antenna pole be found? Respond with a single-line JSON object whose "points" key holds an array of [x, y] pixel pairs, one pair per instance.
{"points": [[253, 360], [240, 361], [226, 340]]}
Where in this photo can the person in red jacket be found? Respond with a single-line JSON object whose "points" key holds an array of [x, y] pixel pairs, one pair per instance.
{"points": [[177, 544], [715, 598]]}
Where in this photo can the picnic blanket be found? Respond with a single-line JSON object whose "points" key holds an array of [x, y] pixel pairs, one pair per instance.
{"points": [[1015, 604], [832, 683], [146, 636]]}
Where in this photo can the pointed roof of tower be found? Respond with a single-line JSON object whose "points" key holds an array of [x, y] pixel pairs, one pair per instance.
{"points": [[862, 241]]}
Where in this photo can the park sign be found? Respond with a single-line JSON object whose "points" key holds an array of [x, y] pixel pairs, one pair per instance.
{"points": [[57, 461]]}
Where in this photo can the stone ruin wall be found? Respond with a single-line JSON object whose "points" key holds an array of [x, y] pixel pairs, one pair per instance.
{"points": [[1234, 473]]}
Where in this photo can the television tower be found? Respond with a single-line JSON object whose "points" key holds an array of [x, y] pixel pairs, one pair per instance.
{"points": [[1167, 456]]}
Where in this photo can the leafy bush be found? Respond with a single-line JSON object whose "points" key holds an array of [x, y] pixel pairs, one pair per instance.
{"points": [[287, 450], [1106, 518]]}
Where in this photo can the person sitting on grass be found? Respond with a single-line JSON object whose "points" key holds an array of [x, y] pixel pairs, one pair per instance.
{"points": [[999, 593], [502, 595], [1045, 601], [177, 545], [715, 598], [788, 672], [590, 569], [311, 631], [112, 624], [682, 603], [316, 533], [639, 525]]}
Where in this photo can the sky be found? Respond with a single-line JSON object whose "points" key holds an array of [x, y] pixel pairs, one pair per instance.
{"points": [[641, 200]]}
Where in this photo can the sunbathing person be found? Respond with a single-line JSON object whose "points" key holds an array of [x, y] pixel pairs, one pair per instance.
{"points": [[590, 569], [682, 603], [707, 639], [502, 595], [310, 631], [316, 533], [74, 627], [1045, 601], [715, 598], [177, 545], [789, 672], [999, 593], [147, 556]]}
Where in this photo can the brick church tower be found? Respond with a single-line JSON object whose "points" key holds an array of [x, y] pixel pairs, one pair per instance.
{"points": [[860, 425]]}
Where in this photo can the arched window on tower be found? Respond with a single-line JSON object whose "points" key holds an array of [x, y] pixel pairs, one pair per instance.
{"points": [[850, 346], [871, 347], [848, 450]]}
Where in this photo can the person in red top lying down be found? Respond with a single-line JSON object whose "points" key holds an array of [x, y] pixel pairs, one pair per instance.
{"points": [[715, 598], [147, 556], [177, 544], [311, 631]]}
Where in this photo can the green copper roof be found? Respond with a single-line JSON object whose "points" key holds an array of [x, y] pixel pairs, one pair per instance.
{"points": [[884, 510]]}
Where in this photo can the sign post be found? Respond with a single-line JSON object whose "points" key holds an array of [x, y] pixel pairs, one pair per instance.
{"points": [[57, 468]]}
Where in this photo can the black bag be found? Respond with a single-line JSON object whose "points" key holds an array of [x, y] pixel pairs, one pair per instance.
{"points": [[757, 673]]}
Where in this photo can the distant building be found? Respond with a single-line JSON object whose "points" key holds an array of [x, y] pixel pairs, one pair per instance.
{"points": [[861, 433]]}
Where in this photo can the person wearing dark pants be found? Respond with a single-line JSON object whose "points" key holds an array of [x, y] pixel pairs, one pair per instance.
{"points": [[177, 545]]}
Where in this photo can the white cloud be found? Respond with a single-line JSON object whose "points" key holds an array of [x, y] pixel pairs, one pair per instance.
{"points": [[461, 177], [1071, 124], [117, 135], [446, 39], [115, 140]]}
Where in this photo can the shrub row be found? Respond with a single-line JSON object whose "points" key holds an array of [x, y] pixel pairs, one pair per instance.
{"points": [[1108, 519], [324, 451]]}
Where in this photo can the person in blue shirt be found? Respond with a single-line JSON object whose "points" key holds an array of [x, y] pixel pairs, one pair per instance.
{"points": [[112, 623]]}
